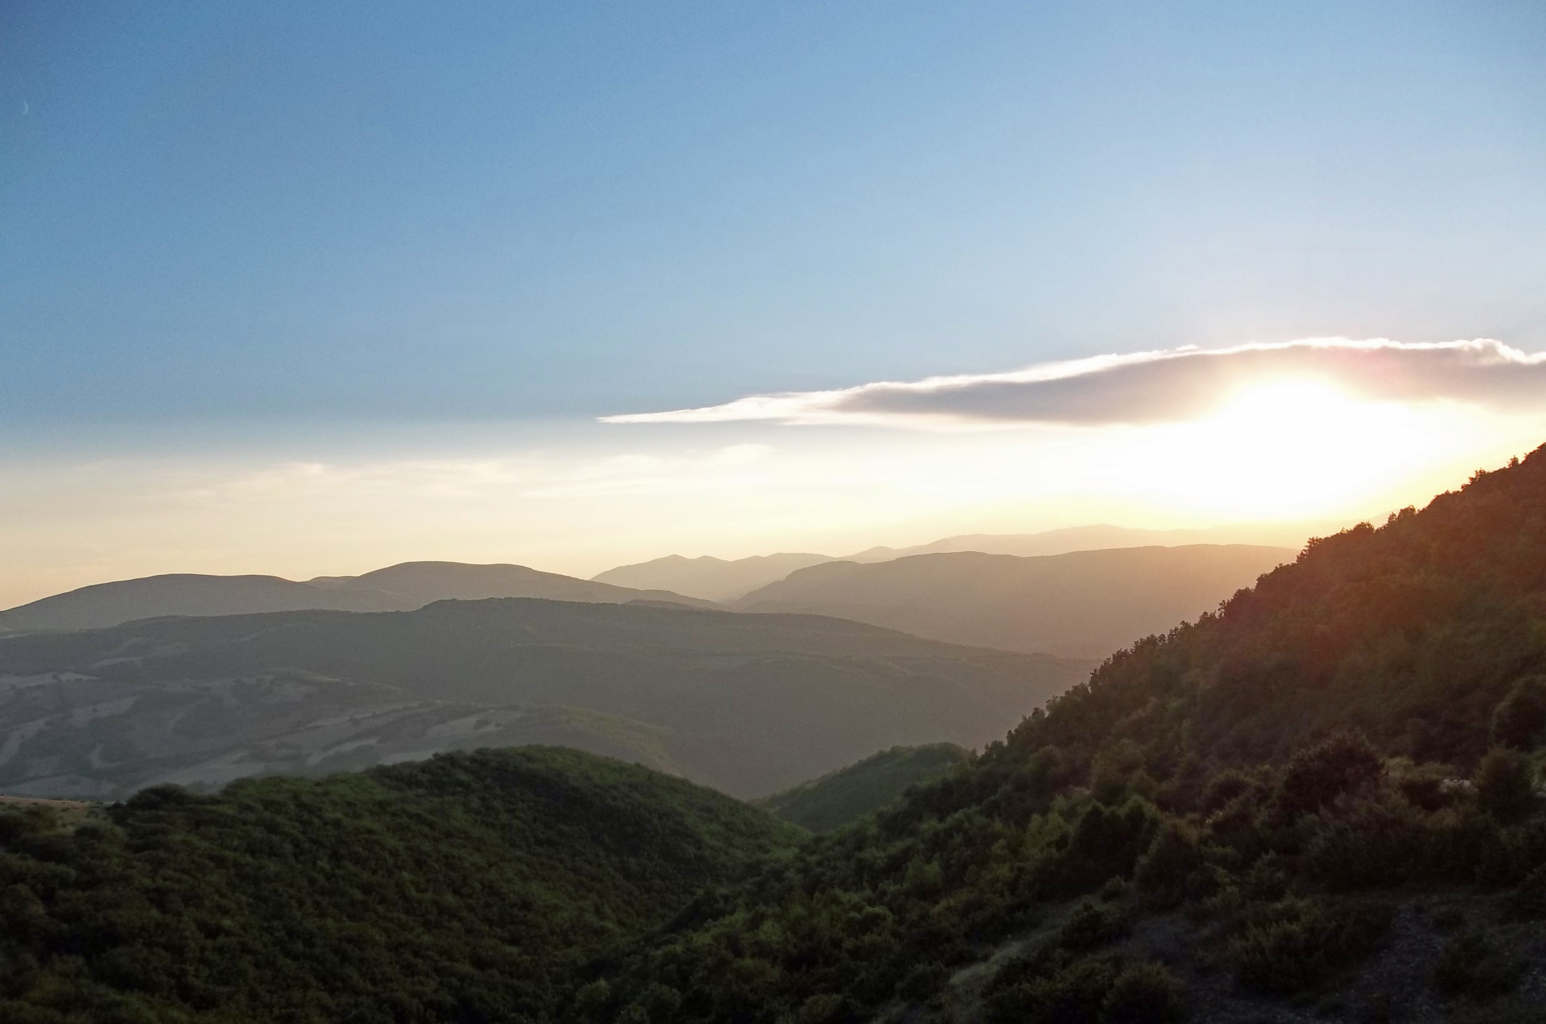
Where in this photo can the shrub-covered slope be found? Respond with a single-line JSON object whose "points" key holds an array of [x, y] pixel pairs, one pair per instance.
{"points": [[1318, 801], [848, 794], [463, 888]]}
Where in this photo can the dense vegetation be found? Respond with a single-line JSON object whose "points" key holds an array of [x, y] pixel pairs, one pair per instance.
{"points": [[1294, 771], [463, 888], [841, 797]]}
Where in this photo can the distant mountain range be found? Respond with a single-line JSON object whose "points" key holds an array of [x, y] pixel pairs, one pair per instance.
{"points": [[1080, 604], [714, 579], [749, 704], [396, 588], [718, 579]]}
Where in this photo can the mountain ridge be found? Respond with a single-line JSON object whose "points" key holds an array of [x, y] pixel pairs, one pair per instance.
{"points": [[401, 587], [1077, 604], [728, 580]]}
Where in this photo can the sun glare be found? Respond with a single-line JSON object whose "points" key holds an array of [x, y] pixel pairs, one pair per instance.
{"points": [[1291, 448]]}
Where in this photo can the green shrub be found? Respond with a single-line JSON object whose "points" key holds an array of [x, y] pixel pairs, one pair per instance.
{"points": [[657, 1004], [1105, 843], [1370, 843], [1471, 966], [1073, 995], [1172, 868], [1290, 945], [924, 877], [825, 1008], [1115, 890], [1091, 926], [1144, 993], [1346, 763], [1240, 826], [1519, 721], [923, 981], [1528, 900], [1505, 783], [1224, 787], [1423, 785]]}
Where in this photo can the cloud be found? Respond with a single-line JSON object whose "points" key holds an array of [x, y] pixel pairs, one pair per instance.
{"points": [[1154, 387]]}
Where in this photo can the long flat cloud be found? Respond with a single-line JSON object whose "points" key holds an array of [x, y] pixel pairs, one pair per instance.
{"points": [[1155, 387]]}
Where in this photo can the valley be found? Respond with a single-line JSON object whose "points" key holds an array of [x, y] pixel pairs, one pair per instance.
{"points": [[748, 704]]}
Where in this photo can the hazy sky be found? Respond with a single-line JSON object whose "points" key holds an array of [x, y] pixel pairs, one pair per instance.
{"points": [[308, 288]]}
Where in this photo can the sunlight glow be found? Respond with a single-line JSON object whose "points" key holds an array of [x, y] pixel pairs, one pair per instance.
{"points": [[1295, 448]]}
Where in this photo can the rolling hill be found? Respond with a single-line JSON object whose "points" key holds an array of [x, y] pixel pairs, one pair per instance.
{"points": [[747, 703], [396, 588], [470, 887], [1081, 604]]}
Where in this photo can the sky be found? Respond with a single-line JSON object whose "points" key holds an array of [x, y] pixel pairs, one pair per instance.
{"points": [[313, 288]]}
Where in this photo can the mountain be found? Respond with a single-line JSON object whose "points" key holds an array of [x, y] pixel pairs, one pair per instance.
{"points": [[470, 887], [1098, 538], [1319, 802], [714, 579], [717, 579], [396, 588], [848, 794], [747, 703], [108, 604], [1080, 604]]}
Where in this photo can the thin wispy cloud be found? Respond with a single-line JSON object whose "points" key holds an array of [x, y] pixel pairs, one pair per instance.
{"points": [[1154, 387]]}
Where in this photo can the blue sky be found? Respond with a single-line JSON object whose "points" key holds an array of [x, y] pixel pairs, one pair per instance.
{"points": [[300, 229], [518, 210]]}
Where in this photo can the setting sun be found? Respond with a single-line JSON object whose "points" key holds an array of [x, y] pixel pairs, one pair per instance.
{"points": [[1298, 448]]}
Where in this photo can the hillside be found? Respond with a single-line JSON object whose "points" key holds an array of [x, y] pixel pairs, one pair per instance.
{"points": [[1317, 803], [396, 588], [747, 703], [1081, 604], [715, 579], [844, 796], [464, 888]]}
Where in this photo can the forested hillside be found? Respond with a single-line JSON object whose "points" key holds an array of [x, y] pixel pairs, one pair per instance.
{"points": [[848, 794], [469, 887], [1319, 799]]}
